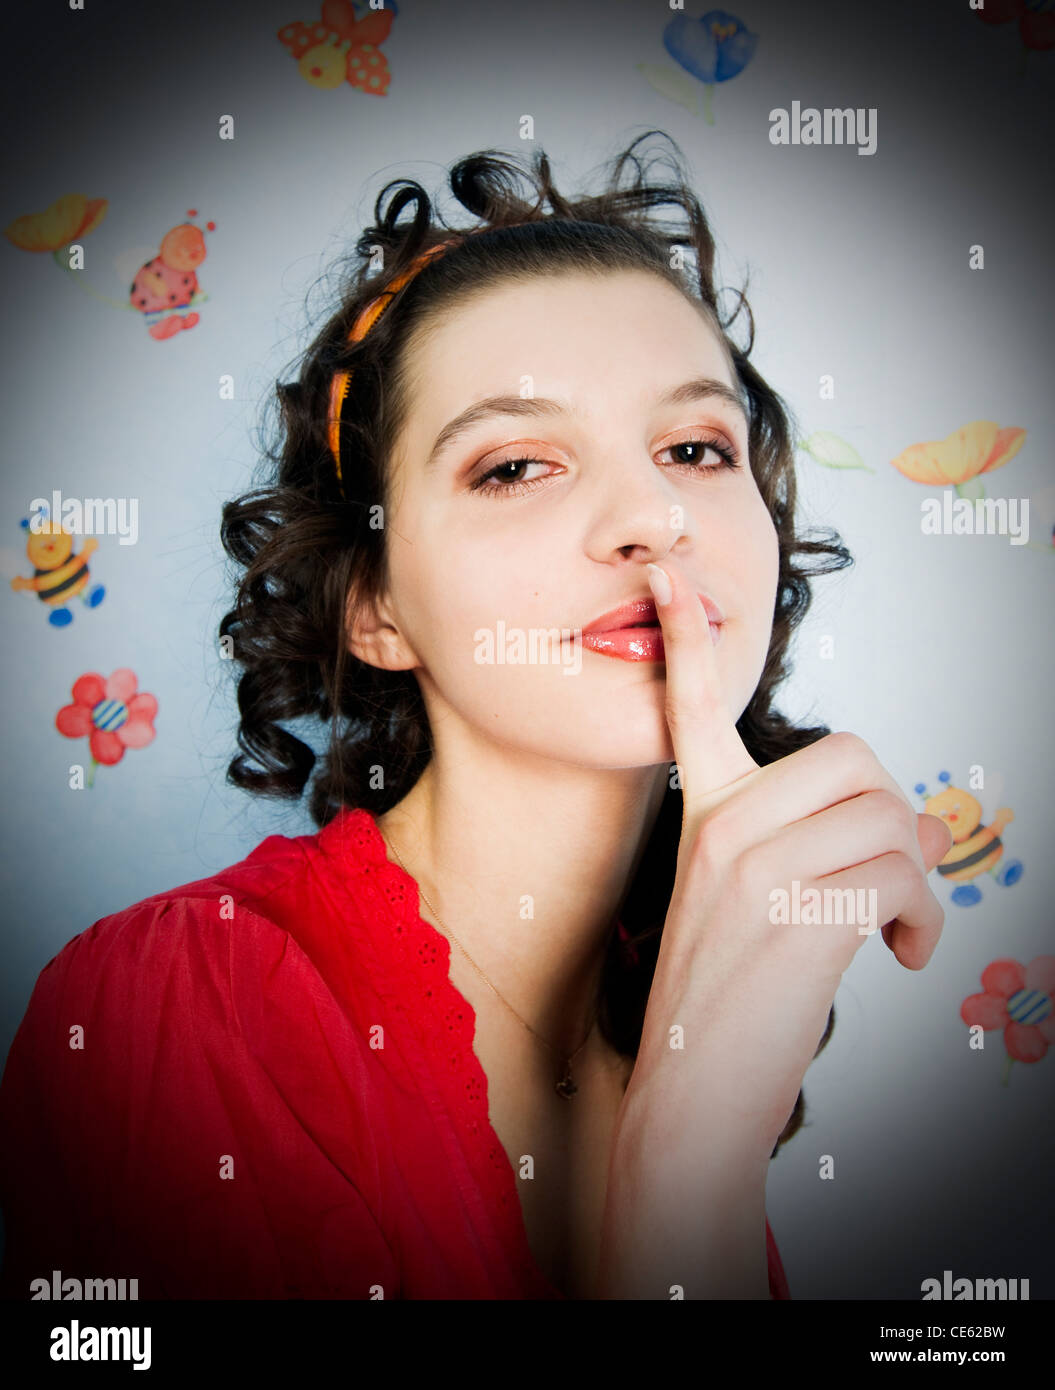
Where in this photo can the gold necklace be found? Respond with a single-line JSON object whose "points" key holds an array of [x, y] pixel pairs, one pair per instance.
{"points": [[565, 1086]]}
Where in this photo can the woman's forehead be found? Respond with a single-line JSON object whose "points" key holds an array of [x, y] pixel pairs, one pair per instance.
{"points": [[637, 328]]}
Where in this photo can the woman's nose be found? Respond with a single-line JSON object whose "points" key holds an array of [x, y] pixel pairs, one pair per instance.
{"points": [[638, 506]]}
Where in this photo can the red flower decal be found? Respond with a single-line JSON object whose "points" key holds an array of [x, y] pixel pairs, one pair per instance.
{"points": [[111, 714], [1020, 1000]]}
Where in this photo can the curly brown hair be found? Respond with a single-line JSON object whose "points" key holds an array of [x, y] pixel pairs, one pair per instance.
{"points": [[309, 548]]}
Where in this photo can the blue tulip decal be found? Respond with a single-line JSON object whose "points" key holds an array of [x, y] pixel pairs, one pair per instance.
{"points": [[712, 48]]}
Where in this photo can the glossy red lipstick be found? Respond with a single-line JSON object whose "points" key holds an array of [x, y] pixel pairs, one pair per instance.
{"points": [[632, 631]]}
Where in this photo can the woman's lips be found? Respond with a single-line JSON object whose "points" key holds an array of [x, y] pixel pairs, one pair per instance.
{"points": [[632, 633], [635, 643]]}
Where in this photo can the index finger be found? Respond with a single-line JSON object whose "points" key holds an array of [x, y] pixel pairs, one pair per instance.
{"points": [[710, 754]]}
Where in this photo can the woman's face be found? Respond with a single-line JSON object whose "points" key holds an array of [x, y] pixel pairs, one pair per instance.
{"points": [[471, 568]]}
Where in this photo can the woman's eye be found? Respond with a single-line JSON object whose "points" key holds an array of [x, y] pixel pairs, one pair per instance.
{"points": [[502, 477], [725, 452], [504, 482]]}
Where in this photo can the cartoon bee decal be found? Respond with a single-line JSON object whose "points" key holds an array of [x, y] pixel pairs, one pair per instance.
{"points": [[168, 282], [338, 48], [976, 848], [58, 574]]}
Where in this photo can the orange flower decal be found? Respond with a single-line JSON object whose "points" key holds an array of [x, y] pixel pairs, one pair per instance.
{"points": [[68, 219], [976, 448]]}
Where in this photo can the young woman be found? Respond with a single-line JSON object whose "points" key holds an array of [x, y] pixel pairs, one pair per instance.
{"points": [[515, 1022]]}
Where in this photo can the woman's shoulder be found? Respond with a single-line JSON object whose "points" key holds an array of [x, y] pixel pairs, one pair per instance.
{"points": [[195, 921], [189, 1031], [266, 968], [247, 969], [227, 943], [256, 901]]}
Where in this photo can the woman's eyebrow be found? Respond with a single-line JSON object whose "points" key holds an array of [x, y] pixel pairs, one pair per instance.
{"points": [[698, 389]]}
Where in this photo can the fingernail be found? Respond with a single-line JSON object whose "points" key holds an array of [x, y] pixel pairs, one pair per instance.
{"points": [[659, 583]]}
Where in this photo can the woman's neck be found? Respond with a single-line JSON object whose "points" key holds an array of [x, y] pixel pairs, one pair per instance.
{"points": [[527, 867]]}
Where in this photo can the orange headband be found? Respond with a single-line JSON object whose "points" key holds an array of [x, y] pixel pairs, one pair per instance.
{"points": [[365, 321]]}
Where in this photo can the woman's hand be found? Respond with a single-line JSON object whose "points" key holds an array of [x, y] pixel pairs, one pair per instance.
{"points": [[739, 1003]]}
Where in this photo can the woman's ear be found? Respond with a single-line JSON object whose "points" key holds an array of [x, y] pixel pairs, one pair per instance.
{"points": [[372, 635]]}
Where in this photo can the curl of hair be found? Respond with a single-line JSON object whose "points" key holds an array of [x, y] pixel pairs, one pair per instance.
{"points": [[310, 552]]}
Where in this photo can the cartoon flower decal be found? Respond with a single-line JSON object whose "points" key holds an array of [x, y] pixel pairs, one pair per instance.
{"points": [[1036, 19], [68, 219], [961, 457], [1019, 1000], [111, 713], [712, 48]]}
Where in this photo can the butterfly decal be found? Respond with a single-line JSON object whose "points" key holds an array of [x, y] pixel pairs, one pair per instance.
{"points": [[340, 48]]}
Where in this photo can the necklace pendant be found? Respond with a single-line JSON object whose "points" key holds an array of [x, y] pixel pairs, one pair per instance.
{"points": [[566, 1087]]}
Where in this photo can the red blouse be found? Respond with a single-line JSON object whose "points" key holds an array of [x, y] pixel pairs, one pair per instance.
{"points": [[263, 1085]]}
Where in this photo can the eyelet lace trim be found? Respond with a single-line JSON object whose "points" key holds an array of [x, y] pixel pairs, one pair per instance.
{"points": [[446, 1022]]}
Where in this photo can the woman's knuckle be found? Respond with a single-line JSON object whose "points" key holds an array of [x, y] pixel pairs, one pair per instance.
{"points": [[898, 817], [855, 758], [885, 799], [712, 844], [904, 872], [737, 880], [845, 742], [752, 864]]}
